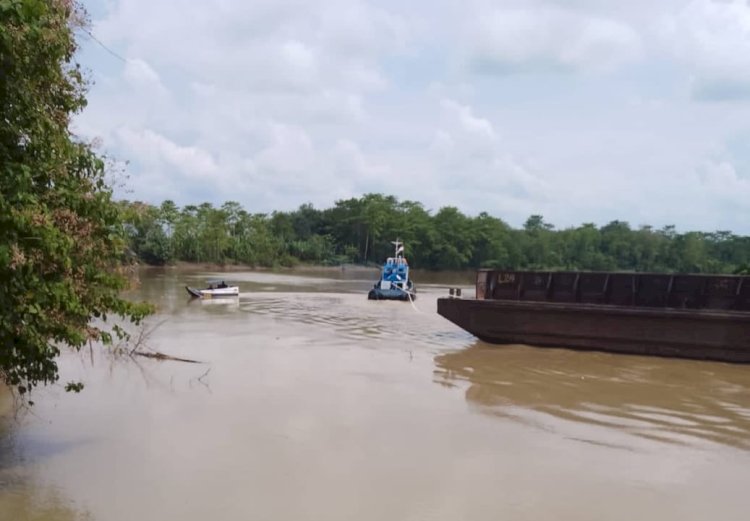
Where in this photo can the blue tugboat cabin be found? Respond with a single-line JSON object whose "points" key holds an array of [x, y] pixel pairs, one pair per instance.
{"points": [[394, 283]]}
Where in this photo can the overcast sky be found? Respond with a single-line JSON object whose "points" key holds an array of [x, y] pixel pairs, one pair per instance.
{"points": [[581, 110]]}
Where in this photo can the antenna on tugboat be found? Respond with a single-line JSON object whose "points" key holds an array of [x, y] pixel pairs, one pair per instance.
{"points": [[399, 246]]}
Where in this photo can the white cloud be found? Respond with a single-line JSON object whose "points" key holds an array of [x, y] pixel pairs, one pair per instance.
{"points": [[469, 123], [476, 170], [261, 45], [358, 173], [720, 180], [713, 38], [157, 150], [165, 168], [279, 102], [511, 39], [140, 75], [355, 28], [291, 151]]}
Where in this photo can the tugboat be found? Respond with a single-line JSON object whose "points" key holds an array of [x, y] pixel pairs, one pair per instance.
{"points": [[394, 283]]}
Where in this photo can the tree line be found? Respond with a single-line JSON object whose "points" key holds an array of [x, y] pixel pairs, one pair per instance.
{"points": [[359, 230]]}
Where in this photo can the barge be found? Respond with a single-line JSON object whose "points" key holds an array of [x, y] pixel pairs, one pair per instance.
{"points": [[687, 316]]}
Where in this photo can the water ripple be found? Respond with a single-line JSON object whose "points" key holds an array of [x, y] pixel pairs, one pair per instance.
{"points": [[673, 401]]}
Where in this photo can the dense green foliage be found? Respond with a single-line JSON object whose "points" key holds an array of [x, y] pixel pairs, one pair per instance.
{"points": [[360, 230], [61, 241]]}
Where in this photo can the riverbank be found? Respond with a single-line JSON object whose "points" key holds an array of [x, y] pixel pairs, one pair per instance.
{"points": [[212, 266], [346, 271]]}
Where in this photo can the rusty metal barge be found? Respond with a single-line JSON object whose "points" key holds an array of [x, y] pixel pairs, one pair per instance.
{"points": [[687, 316]]}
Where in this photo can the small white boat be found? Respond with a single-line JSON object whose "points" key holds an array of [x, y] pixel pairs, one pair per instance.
{"points": [[214, 290]]}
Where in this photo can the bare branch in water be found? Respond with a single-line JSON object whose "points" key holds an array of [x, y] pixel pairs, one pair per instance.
{"points": [[138, 346], [200, 379], [161, 356], [144, 333]]}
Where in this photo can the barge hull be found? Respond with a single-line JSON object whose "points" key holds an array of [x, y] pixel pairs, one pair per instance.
{"points": [[697, 334]]}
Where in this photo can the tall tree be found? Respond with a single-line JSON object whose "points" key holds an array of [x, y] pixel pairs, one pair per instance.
{"points": [[61, 237]]}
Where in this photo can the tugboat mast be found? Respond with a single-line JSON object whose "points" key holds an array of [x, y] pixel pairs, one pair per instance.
{"points": [[399, 248]]}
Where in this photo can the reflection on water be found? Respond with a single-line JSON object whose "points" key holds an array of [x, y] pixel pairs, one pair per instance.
{"points": [[678, 401], [22, 496]]}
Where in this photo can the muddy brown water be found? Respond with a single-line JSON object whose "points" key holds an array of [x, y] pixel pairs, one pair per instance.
{"points": [[316, 404]]}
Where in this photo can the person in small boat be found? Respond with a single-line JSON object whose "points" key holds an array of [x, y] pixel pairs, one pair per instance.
{"points": [[222, 285]]}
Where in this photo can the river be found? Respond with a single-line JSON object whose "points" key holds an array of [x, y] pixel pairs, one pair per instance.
{"points": [[312, 403]]}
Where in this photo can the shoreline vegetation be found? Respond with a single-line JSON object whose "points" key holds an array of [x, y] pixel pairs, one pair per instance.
{"points": [[61, 246], [357, 234], [232, 266]]}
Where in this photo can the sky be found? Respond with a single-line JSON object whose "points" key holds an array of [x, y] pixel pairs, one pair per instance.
{"points": [[579, 110]]}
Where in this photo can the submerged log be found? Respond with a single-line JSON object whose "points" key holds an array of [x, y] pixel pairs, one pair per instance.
{"points": [[161, 356]]}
